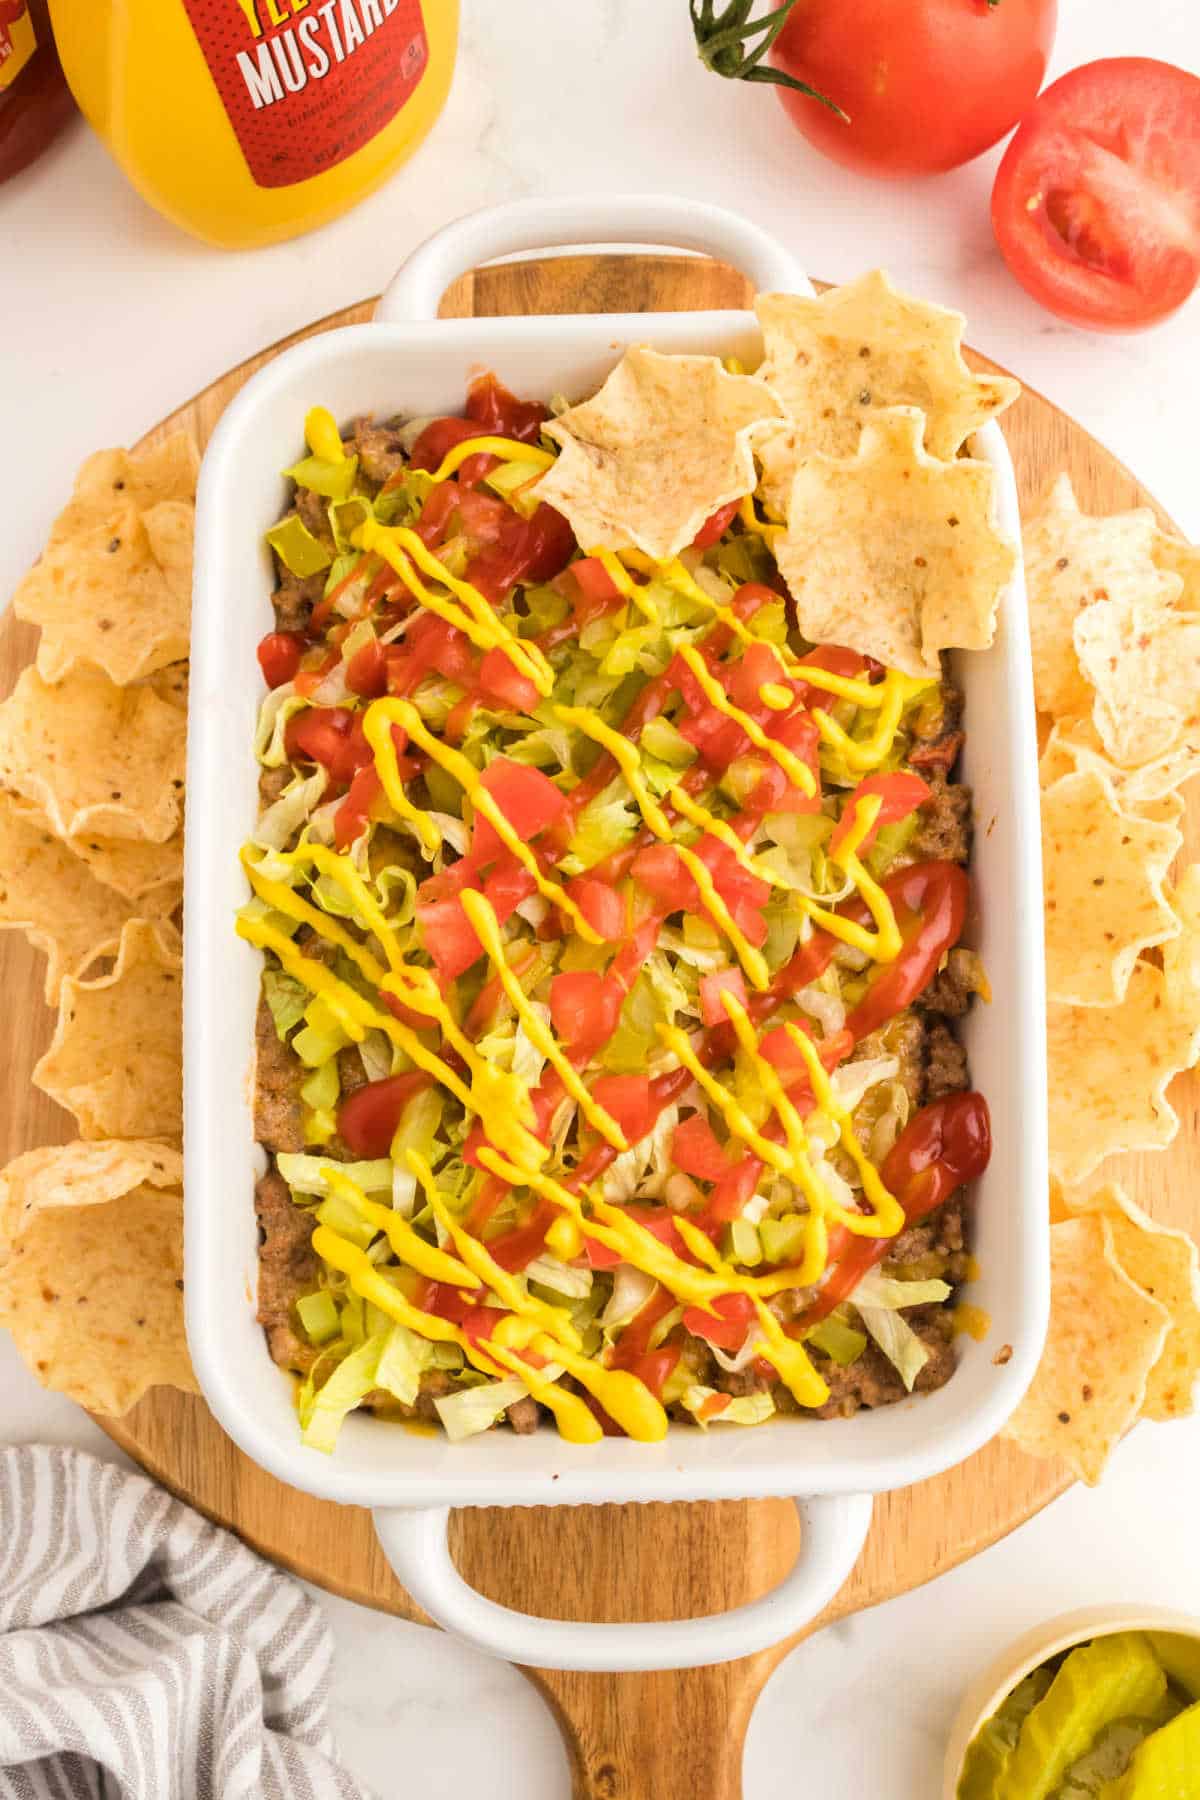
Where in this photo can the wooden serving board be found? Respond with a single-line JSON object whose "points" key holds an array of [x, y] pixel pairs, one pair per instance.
{"points": [[631, 1737]]}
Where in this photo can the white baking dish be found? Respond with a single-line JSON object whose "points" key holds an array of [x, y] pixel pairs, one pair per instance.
{"points": [[412, 362]]}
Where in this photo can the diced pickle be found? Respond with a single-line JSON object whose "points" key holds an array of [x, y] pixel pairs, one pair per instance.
{"points": [[1166, 1766], [993, 1744], [1111, 1678]]}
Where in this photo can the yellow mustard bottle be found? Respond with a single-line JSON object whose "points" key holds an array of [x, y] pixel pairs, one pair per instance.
{"points": [[248, 121]]}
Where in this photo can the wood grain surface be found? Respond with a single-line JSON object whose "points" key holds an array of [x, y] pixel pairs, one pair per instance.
{"points": [[648, 1737]]}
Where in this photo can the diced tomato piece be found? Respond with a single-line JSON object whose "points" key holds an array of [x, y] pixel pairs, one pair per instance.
{"points": [[494, 412], [506, 887], [366, 672], [515, 1249], [355, 811], [757, 665], [367, 1118], [439, 436], [659, 870], [657, 1221], [628, 1099], [719, 740], [407, 1015], [601, 905], [500, 680], [528, 799], [317, 734], [472, 469], [900, 794], [449, 937], [435, 514], [715, 526], [733, 1192], [595, 582], [584, 1009], [279, 656], [696, 1150], [734, 1316], [712, 987]]}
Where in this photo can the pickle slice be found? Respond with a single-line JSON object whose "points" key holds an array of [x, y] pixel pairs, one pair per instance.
{"points": [[989, 1750], [1166, 1766], [1112, 1753], [1111, 1678]]}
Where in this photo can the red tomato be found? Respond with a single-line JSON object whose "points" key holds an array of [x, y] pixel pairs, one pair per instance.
{"points": [[355, 810], [528, 799], [513, 1250], [734, 1316], [601, 905], [435, 514], [500, 680], [757, 665], [367, 1118], [696, 1150], [595, 582], [584, 1009], [926, 84], [658, 869], [367, 671], [712, 987], [1096, 205], [656, 1221], [629, 1101], [279, 656], [900, 795], [449, 937], [439, 436], [715, 526], [318, 734]]}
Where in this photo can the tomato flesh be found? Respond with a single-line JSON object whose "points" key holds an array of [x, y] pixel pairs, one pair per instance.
{"points": [[1096, 205], [367, 1118], [279, 656]]}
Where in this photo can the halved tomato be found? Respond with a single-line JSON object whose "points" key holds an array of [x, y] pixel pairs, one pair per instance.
{"points": [[1096, 206]]}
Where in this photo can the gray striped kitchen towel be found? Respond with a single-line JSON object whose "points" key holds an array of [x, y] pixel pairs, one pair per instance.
{"points": [[146, 1654]]}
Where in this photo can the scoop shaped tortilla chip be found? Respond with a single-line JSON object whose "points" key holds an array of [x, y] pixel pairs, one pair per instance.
{"points": [[116, 597], [1166, 1265], [837, 359], [166, 471], [96, 758], [171, 685], [92, 1292], [1073, 560], [116, 1059], [50, 894], [81, 1174], [1103, 873], [1176, 557], [1143, 660], [894, 553], [1075, 744], [1181, 957], [1105, 1337], [664, 443], [1110, 1067]]}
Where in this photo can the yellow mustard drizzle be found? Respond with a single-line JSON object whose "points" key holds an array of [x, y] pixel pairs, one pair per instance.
{"points": [[790, 1360], [342, 871], [797, 772], [285, 899], [483, 919], [378, 732], [752, 522], [403, 713], [621, 579], [895, 691], [886, 943], [322, 435], [475, 618], [577, 1424], [505, 449], [624, 753], [887, 1217], [410, 1247]]}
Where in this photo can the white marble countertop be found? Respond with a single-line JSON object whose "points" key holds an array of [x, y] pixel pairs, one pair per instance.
{"points": [[111, 317]]}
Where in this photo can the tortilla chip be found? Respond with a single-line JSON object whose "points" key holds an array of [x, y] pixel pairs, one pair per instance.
{"points": [[1143, 660], [1075, 744], [110, 479], [1071, 561], [116, 1058], [171, 685], [893, 552], [117, 597], [1110, 1067], [95, 757], [1176, 557], [1181, 957], [664, 443], [81, 1174], [1104, 903], [92, 1288], [1166, 1265], [151, 874], [51, 896], [836, 359], [1105, 1337]]}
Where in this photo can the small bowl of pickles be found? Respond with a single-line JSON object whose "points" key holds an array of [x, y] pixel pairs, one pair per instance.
{"points": [[1102, 1704]]}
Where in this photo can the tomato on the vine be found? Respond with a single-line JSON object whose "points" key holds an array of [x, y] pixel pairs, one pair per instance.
{"points": [[1096, 205], [910, 87]]}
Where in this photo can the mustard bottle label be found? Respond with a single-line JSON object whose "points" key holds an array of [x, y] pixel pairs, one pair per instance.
{"points": [[306, 83], [18, 41]]}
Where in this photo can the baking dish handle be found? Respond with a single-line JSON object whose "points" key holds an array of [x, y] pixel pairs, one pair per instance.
{"points": [[416, 289], [832, 1533]]}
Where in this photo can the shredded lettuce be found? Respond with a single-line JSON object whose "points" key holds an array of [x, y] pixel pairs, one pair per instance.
{"points": [[552, 1273], [401, 1361], [307, 1174], [286, 997], [476, 1409], [853, 1080], [280, 705], [322, 1088], [318, 1315], [281, 821], [606, 824], [742, 1409], [898, 1341], [884, 1291], [322, 1409], [630, 1291]]}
